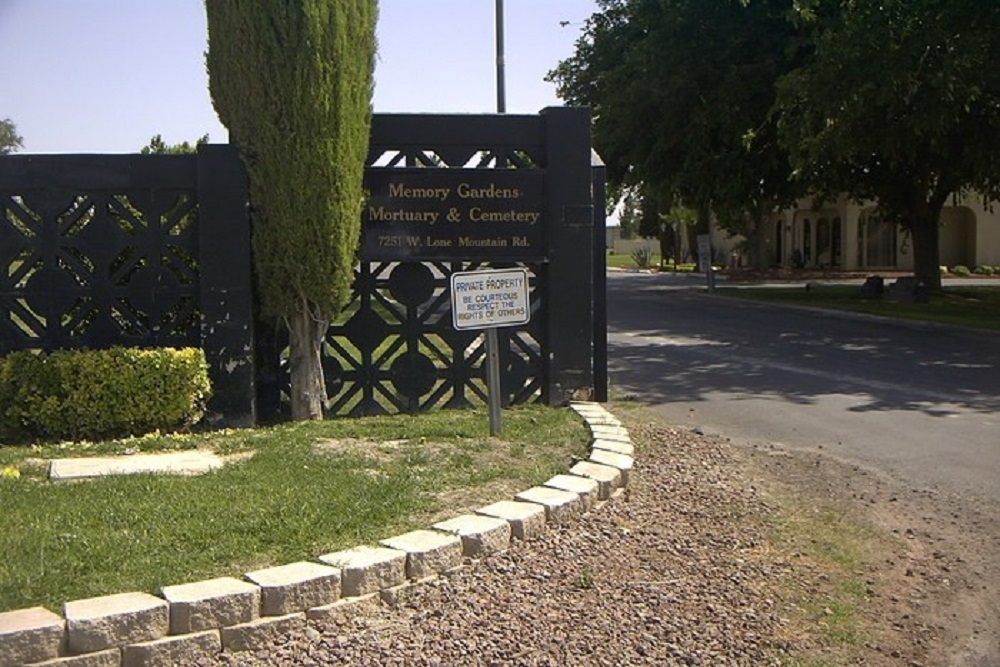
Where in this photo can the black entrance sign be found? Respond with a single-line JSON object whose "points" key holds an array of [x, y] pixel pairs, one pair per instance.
{"points": [[453, 214]]}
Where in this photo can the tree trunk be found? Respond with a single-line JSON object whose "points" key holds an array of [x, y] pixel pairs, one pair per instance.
{"points": [[756, 245], [666, 240], [925, 231], [308, 392]]}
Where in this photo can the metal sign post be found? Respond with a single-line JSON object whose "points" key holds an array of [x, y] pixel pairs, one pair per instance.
{"points": [[493, 379], [488, 300]]}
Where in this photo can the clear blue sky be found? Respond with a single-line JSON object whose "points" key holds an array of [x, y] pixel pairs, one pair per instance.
{"points": [[103, 76]]}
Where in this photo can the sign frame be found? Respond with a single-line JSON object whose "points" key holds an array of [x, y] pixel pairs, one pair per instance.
{"points": [[490, 298]]}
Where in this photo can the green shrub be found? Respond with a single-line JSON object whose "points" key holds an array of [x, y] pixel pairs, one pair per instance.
{"points": [[643, 257], [961, 270], [985, 270], [100, 393]]}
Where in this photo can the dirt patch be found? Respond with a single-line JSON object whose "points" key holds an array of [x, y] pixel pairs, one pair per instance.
{"points": [[466, 500], [388, 451], [238, 457], [381, 450], [929, 567]]}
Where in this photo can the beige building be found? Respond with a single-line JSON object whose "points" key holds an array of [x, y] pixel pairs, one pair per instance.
{"points": [[849, 236]]}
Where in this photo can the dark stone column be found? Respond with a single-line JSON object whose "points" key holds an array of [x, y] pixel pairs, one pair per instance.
{"points": [[569, 215], [226, 296], [600, 282]]}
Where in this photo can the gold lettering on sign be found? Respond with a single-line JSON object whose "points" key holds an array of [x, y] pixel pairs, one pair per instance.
{"points": [[470, 242], [383, 214], [491, 191], [402, 191], [477, 214]]}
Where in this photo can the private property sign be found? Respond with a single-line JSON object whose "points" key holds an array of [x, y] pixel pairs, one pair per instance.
{"points": [[485, 299]]}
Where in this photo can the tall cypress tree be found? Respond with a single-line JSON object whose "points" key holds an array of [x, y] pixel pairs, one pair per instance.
{"points": [[292, 81]]}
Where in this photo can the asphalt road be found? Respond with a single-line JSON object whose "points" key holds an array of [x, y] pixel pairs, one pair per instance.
{"points": [[920, 402]]}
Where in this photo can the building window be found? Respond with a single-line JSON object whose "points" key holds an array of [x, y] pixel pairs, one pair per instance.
{"points": [[823, 245]]}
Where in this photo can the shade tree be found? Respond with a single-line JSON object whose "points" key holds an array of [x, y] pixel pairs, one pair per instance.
{"points": [[898, 103]]}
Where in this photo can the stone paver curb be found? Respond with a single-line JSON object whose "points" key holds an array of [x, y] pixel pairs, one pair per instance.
{"points": [[608, 478], [527, 520], [260, 632], [110, 658], [204, 618], [594, 414], [172, 650], [296, 587], [610, 432], [343, 608], [211, 604], [428, 552], [560, 506], [367, 569], [620, 461], [480, 535], [30, 635], [100, 623], [617, 446], [393, 597], [596, 418], [585, 487], [610, 437]]}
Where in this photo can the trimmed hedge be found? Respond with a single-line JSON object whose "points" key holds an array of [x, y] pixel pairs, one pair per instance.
{"points": [[90, 394]]}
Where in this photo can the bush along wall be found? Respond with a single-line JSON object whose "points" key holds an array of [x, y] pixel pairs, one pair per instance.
{"points": [[91, 394]]}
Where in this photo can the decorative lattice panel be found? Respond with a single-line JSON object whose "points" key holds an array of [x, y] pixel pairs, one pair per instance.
{"points": [[98, 268], [394, 349]]}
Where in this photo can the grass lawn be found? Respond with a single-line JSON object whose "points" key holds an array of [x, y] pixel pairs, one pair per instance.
{"points": [[967, 306], [292, 492], [625, 261]]}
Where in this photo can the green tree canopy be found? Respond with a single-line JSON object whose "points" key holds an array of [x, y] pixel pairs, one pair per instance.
{"points": [[681, 92], [292, 81], [900, 104], [157, 146], [10, 140]]}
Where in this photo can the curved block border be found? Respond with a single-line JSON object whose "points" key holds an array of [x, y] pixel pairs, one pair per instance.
{"points": [[226, 614]]}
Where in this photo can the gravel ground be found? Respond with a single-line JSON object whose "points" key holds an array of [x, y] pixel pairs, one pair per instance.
{"points": [[678, 570], [671, 572]]}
